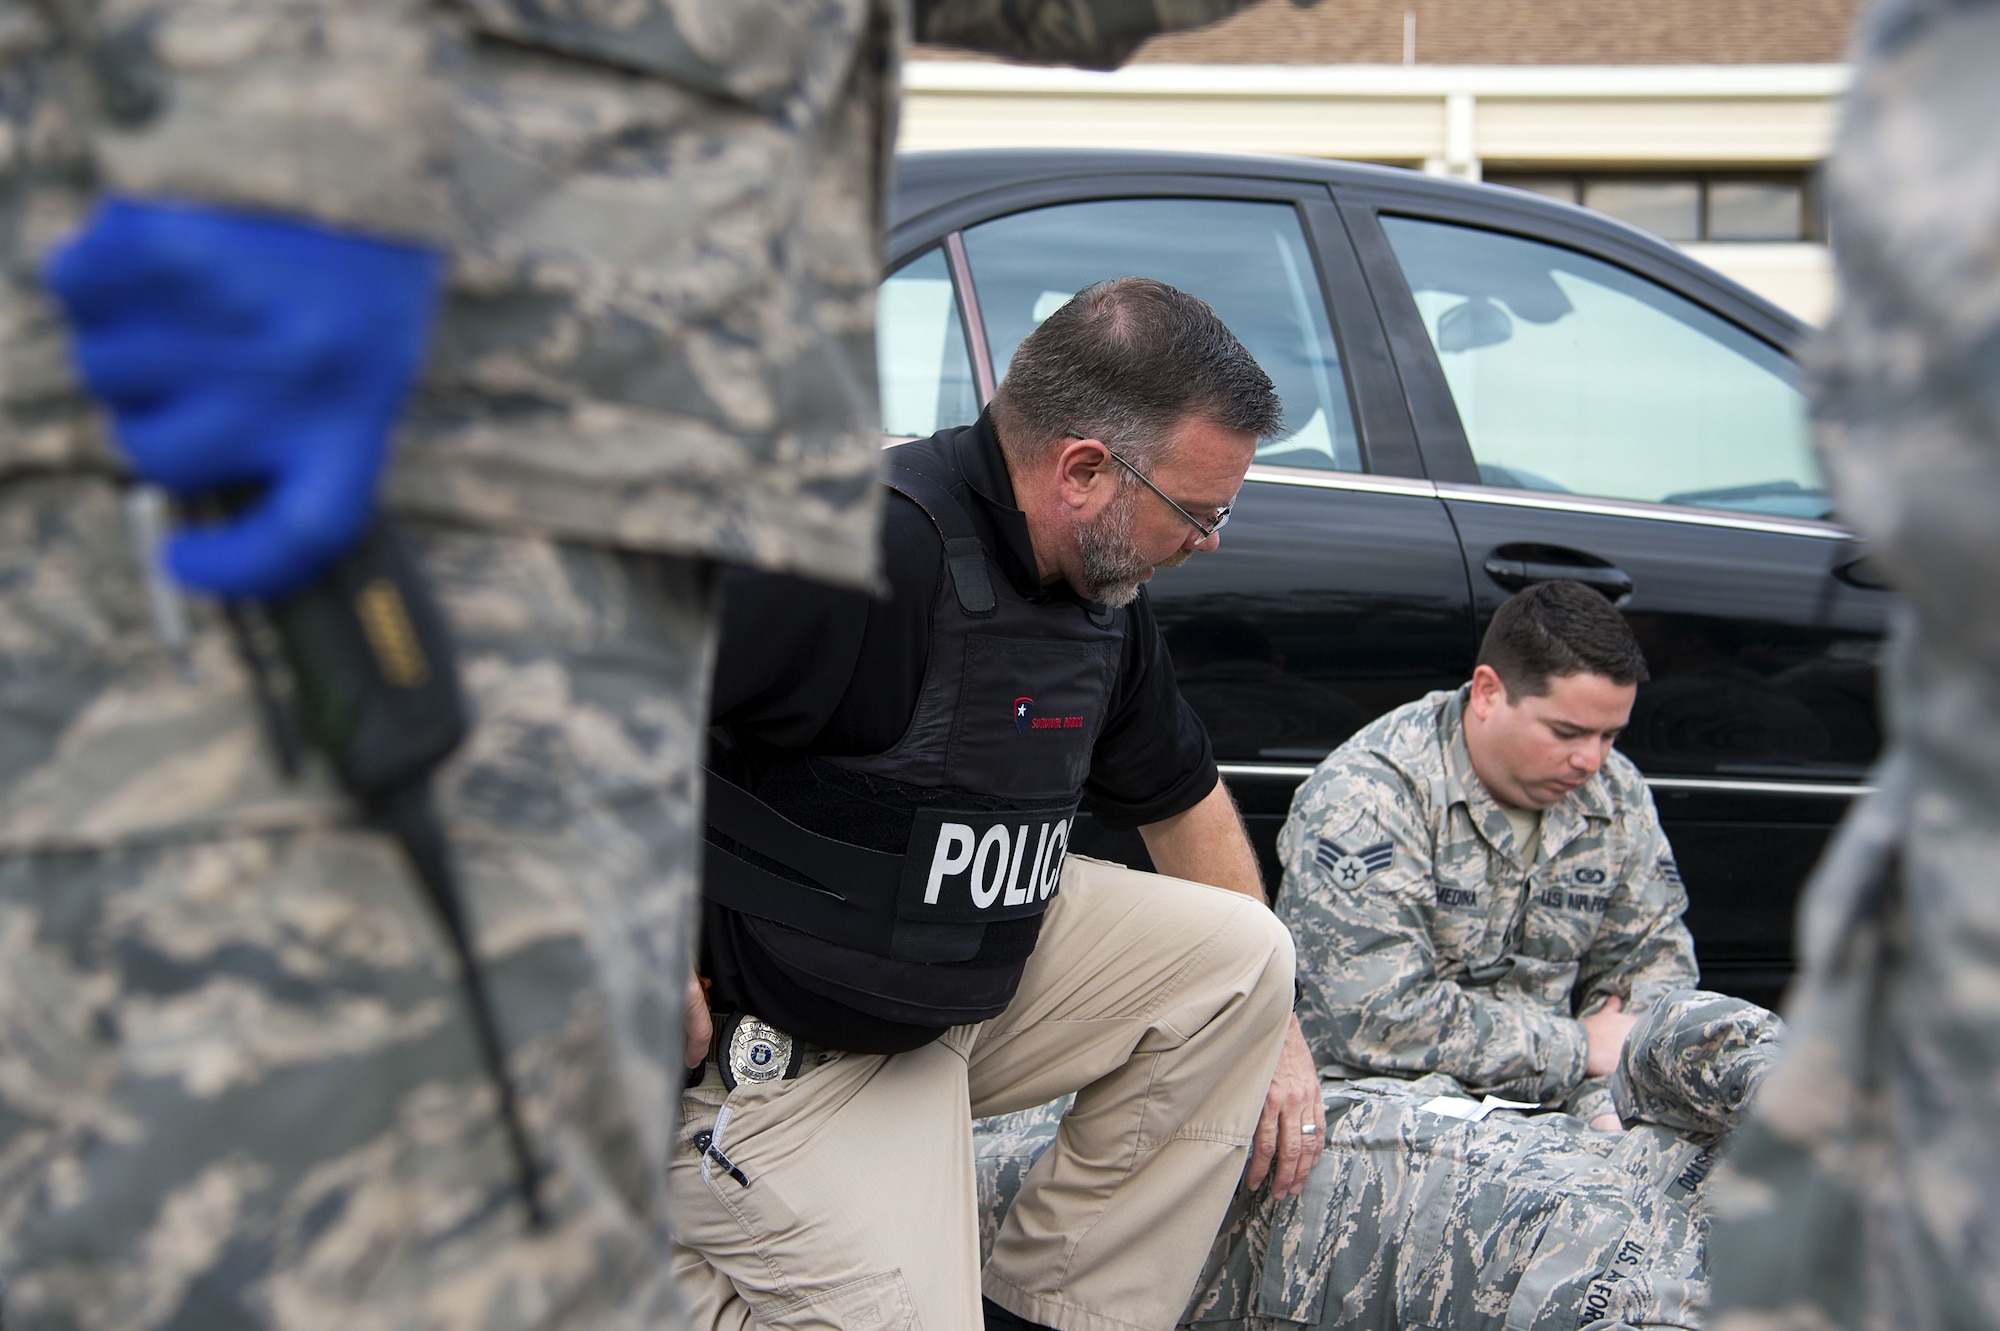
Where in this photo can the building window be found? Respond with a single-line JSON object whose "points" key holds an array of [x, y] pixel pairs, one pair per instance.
{"points": [[1689, 206], [1670, 209]]}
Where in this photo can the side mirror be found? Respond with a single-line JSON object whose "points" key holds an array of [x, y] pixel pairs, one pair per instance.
{"points": [[1472, 324]]}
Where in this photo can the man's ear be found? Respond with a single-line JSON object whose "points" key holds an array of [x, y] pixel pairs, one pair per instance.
{"points": [[1488, 692], [1084, 475]]}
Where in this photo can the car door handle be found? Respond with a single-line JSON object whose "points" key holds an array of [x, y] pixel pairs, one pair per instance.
{"points": [[1865, 572], [1514, 574]]}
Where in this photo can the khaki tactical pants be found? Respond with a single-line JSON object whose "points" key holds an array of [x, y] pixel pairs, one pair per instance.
{"points": [[1161, 1002]]}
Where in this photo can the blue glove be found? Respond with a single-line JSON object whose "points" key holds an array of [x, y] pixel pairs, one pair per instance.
{"points": [[243, 351]]}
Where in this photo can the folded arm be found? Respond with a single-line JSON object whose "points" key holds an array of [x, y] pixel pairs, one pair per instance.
{"points": [[1642, 949]]}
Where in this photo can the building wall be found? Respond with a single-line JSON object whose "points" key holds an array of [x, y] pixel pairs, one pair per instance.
{"points": [[1457, 120]]}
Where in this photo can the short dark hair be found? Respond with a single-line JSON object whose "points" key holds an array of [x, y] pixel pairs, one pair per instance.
{"points": [[1126, 361], [1556, 629]]}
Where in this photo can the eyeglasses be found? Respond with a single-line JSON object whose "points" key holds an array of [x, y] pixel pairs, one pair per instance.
{"points": [[1205, 528]]}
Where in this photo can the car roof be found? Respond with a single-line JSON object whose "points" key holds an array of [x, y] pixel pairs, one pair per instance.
{"points": [[934, 179], [927, 179], [931, 179]]}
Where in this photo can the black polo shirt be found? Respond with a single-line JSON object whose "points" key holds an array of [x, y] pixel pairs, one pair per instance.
{"points": [[804, 668]]}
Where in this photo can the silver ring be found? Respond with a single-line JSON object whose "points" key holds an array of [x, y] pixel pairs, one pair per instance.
{"points": [[1308, 1128]]}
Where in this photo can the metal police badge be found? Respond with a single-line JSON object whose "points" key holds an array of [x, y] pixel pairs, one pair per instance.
{"points": [[758, 1051]]}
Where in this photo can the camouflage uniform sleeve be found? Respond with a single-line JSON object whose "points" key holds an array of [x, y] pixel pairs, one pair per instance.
{"points": [[1643, 950], [1097, 34], [1371, 994], [664, 219]]}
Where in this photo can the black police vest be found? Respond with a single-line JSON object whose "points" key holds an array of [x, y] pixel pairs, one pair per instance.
{"points": [[1013, 698]]}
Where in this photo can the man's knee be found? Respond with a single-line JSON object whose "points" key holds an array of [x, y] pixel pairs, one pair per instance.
{"points": [[1248, 943], [1255, 950], [1216, 938], [1276, 981], [1694, 1061]]}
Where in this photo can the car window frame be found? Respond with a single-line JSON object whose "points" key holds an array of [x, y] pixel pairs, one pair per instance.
{"points": [[968, 323], [1384, 433], [1441, 440]]}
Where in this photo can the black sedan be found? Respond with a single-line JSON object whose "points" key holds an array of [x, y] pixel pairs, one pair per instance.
{"points": [[1483, 389]]}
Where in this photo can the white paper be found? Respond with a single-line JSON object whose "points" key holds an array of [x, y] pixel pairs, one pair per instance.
{"points": [[1452, 1106]]}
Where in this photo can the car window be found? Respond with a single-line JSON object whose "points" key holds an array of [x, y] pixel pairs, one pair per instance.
{"points": [[920, 354], [1577, 377], [1248, 260]]}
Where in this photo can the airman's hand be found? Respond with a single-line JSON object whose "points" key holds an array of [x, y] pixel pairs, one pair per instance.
{"points": [[1607, 1028]]}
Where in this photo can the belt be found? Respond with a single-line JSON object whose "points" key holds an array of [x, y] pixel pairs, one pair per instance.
{"points": [[748, 1048]]}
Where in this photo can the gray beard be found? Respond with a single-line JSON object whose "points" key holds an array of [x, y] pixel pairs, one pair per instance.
{"points": [[1112, 572]]}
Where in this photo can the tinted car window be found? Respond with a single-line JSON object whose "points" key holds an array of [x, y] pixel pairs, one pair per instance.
{"points": [[925, 373], [1574, 376], [1248, 260]]}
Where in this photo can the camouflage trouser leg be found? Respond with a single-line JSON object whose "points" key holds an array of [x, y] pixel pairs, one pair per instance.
{"points": [[238, 1086], [1412, 1219], [1004, 1148], [1690, 1066]]}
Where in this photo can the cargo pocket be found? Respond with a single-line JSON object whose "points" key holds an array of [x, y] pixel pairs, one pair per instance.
{"points": [[872, 1303], [1590, 1247], [1296, 1265], [1427, 1280], [1333, 1246]]}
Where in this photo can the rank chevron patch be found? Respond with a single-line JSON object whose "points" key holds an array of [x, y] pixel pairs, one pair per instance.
{"points": [[1353, 868]]}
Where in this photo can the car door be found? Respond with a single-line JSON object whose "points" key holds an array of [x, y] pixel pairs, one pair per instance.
{"points": [[1592, 412], [1339, 589]]}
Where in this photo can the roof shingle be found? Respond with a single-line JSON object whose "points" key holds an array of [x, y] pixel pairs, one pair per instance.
{"points": [[1512, 32]]}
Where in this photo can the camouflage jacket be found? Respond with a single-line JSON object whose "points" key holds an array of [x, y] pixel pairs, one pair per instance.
{"points": [[1425, 943], [665, 218]]}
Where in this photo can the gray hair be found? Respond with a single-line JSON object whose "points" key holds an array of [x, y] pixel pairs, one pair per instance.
{"points": [[1125, 361]]}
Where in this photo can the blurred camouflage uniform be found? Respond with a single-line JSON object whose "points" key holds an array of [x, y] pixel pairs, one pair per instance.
{"points": [[1865, 1189], [237, 1086], [238, 1082]]}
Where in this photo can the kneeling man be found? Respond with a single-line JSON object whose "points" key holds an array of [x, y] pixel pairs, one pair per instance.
{"points": [[1484, 905], [894, 936]]}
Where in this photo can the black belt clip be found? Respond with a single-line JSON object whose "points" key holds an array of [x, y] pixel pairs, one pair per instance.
{"points": [[751, 1049]]}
